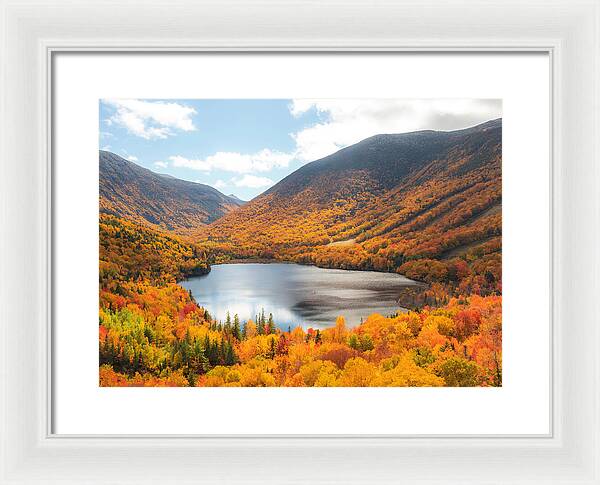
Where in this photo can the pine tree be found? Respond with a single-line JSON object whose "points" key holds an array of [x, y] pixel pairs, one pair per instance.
{"points": [[210, 351], [261, 323], [230, 357], [198, 362], [236, 327], [222, 351], [272, 348], [318, 337]]}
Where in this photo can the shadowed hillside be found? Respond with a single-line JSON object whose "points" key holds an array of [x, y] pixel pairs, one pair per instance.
{"points": [[128, 190]]}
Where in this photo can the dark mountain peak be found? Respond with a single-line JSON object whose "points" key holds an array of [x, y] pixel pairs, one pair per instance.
{"points": [[384, 138], [385, 159]]}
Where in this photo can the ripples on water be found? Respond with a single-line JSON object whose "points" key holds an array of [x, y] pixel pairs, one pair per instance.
{"points": [[295, 294]]}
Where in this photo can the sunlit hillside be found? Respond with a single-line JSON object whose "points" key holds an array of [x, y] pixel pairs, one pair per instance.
{"points": [[410, 203]]}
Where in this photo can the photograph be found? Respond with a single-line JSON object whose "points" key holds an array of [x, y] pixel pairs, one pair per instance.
{"points": [[300, 242]]}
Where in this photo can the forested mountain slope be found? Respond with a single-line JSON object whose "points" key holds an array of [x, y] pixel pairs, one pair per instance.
{"points": [[128, 190], [408, 202]]}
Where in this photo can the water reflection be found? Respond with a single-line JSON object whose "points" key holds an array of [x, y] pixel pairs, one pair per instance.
{"points": [[296, 295]]}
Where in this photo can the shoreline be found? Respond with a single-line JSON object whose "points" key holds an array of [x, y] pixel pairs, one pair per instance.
{"points": [[277, 261], [258, 261]]}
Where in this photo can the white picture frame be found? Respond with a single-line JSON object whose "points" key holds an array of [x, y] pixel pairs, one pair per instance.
{"points": [[32, 32]]}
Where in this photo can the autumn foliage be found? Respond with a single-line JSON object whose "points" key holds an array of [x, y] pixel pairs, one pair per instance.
{"points": [[152, 333], [439, 223]]}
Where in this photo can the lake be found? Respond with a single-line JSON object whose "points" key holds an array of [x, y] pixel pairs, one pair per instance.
{"points": [[296, 295]]}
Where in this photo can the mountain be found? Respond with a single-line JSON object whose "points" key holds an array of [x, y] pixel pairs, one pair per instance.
{"points": [[235, 197], [136, 193], [386, 160], [379, 204]]}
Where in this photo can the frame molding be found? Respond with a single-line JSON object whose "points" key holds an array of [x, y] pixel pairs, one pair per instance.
{"points": [[31, 31]]}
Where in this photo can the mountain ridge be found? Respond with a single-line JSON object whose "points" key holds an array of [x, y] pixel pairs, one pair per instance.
{"points": [[353, 156], [160, 200]]}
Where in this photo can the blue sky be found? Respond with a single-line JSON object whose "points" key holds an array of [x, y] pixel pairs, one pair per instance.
{"points": [[243, 147]]}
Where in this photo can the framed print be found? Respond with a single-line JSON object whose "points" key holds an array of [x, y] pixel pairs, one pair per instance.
{"points": [[236, 233]]}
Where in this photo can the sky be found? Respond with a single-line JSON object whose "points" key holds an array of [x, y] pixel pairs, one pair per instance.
{"points": [[244, 146]]}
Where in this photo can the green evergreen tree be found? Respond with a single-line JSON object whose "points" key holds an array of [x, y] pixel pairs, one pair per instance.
{"points": [[236, 327], [198, 361], [221, 351], [260, 326], [272, 348], [230, 358]]}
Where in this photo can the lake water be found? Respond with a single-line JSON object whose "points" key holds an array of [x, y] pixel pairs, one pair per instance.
{"points": [[296, 294]]}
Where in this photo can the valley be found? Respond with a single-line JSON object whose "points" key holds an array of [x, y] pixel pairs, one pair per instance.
{"points": [[424, 206]]}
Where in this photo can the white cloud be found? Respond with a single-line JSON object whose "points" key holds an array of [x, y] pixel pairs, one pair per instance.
{"points": [[151, 119], [345, 122], [105, 148], [252, 181], [340, 123], [161, 164], [262, 161], [179, 161], [132, 158]]}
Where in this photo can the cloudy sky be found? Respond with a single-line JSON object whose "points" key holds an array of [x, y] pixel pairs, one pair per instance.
{"points": [[243, 147]]}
